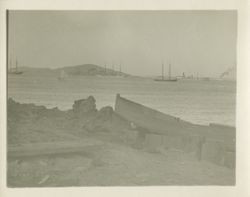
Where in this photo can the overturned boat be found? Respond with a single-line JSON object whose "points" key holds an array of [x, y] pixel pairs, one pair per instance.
{"points": [[214, 143]]}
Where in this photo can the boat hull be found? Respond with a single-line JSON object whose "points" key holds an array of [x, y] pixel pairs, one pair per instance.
{"points": [[166, 80]]}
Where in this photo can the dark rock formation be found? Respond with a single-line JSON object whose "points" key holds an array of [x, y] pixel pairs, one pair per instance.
{"points": [[29, 122], [85, 107], [29, 112], [99, 123], [105, 113]]}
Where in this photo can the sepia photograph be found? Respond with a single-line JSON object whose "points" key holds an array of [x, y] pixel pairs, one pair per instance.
{"points": [[124, 98], [121, 98]]}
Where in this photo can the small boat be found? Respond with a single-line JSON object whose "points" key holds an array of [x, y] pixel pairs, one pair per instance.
{"points": [[169, 79]]}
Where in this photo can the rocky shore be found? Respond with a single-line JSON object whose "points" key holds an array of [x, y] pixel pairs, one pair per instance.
{"points": [[28, 123], [116, 156]]}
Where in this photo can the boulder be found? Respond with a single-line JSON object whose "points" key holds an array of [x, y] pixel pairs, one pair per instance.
{"points": [[105, 113], [84, 107], [100, 121]]}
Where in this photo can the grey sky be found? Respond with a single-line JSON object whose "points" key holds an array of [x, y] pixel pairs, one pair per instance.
{"points": [[194, 42]]}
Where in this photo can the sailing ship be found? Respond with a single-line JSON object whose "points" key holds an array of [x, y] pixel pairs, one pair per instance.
{"points": [[14, 70], [11, 70], [169, 78]]}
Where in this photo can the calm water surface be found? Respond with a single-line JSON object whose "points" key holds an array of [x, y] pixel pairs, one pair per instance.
{"points": [[196, 101]]}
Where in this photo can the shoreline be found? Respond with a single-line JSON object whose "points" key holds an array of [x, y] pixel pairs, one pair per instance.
{"points": [[62, 138]]}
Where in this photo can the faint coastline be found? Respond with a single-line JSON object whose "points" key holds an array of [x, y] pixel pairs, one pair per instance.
{"points": [[96, 70]]}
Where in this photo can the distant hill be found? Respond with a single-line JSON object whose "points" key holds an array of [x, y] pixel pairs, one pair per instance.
{"points": [[79, 70], [91, 70]]}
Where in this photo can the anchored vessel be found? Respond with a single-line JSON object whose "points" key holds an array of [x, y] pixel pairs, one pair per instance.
{"points": [[12, 70], [169, 79]]}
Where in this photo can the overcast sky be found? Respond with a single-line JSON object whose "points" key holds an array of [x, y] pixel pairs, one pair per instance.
{"points": [[202, 42]]}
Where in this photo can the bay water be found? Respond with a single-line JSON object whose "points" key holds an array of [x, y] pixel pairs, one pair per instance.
{"points": [[197, 101]]}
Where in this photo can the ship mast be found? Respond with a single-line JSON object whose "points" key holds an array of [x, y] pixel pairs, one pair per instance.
{"points": [[162, 70], [16, 64], [120, 69], [169, 71]]}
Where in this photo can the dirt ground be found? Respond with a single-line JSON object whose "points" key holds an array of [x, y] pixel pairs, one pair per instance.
{"points": [[112, 164], [115, 161]]}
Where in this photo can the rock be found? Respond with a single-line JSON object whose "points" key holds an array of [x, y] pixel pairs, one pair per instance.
{"points": [[105, 113], [102, 117], [84, 107]]}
